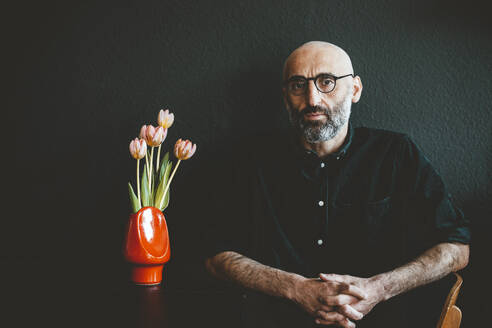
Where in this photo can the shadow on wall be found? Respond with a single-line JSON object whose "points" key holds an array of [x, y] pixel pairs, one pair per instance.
{"points": [[252, 108]]}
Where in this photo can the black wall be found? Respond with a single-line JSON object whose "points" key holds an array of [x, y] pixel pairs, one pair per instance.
{"points": [[80, 80]]}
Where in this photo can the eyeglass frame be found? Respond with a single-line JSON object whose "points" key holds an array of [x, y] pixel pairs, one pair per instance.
{"points": [[335, 78]]}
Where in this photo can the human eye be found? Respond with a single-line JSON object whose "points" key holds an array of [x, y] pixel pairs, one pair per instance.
{"points": [[326, 80], [296, 85]]}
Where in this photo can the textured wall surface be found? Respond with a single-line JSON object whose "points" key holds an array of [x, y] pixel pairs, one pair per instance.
{"points": [[83, 77]]}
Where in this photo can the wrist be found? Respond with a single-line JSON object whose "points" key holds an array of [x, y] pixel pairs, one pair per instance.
{"points": [[381, 290], [293, 287]]}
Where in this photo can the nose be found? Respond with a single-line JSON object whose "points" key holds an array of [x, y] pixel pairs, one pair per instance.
{"points": [[313, 96]]}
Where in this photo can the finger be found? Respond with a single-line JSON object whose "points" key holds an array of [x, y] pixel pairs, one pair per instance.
{"points": [[330, 316], [345, 323], [340, 299], [324, 322], [326, 308], [354, 291], [350, 312], [332, 277]]}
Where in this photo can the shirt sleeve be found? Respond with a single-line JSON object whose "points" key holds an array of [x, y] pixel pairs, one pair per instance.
{"points": [[432, 217]]}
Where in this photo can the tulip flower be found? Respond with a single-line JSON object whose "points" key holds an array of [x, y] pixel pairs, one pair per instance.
{"points": [[143, 132], [138, 149], [165, 118], [154, 137], [143, 135], [182, 150]]}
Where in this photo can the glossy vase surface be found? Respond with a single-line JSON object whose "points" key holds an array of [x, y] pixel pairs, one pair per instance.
{"points": [[147, 245]]}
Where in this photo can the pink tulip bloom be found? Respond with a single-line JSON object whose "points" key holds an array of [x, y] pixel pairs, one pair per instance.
{"points": [[138, 148], [143, 132], [165, 118], [153, 136], [184, 149], [159, 136]]}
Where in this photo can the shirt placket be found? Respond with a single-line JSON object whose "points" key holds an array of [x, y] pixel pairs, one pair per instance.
{"points": [[322, 203]]}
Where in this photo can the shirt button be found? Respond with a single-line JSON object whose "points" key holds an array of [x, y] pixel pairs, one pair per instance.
{"points": [[320, 242], [322, 165], [321, 203]]}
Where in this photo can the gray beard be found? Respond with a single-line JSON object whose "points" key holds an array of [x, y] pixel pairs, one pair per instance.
{"points": [[314, 132]]}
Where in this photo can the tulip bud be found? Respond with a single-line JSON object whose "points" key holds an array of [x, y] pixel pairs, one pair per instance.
{"points": [[138, 148], [184, 149], [165, 118]]}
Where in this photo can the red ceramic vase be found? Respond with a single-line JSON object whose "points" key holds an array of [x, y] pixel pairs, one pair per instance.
{"points": [[147, 245]]}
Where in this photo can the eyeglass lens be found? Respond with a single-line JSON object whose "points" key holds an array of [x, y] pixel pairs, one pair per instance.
{"points": [[324, 83]]}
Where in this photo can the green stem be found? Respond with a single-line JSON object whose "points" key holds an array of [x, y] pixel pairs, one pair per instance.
{"points": [[169, 183], [138, 182], [150, 174], [147, 162], [157, 168]]}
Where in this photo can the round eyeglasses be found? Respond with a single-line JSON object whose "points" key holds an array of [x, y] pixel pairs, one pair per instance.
{"points": [[325, 83]]}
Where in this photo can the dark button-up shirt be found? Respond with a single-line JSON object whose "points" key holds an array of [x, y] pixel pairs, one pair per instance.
{"points": [[375, 204]]}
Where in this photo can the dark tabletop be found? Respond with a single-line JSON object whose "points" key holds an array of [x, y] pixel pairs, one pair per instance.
{"points": [[35, 293]]}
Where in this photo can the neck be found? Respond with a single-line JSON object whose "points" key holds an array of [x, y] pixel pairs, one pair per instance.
{"points": [[324, 148]]}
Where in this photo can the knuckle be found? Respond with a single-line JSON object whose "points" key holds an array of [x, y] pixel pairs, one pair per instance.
{"points": [[344, 308], [339, 317], [326, 308], [344, 322], [337, 300], [347, 322]]}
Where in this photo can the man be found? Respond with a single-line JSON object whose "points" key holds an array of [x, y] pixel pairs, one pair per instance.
{"points": [[339, 222]]}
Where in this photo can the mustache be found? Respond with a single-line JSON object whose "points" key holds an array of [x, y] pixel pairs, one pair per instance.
{"points": [[315, 109]]}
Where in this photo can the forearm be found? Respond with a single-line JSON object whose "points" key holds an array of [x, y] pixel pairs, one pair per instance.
{"points": [[432, 265], [253, 275]]}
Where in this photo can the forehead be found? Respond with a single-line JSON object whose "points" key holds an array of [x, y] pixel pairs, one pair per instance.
{"points": [[310, 62]]}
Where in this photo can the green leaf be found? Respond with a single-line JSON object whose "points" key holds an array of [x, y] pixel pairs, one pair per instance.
{"points": [[162, 185], [166, 178], [135, 204], [145, 192], [162, 169], [153, 188]]}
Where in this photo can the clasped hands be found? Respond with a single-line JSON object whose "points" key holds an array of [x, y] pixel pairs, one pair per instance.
{"points": [[338, 299]]}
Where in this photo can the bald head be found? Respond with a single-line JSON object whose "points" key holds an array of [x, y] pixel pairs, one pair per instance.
{"points": [[315, 57]]}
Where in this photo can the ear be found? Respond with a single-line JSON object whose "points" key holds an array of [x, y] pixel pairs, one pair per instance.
{"points": [[357, 89]]}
